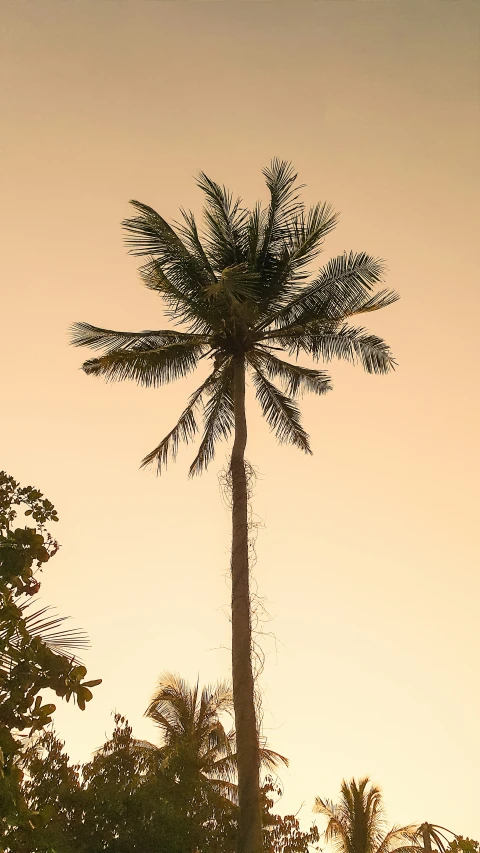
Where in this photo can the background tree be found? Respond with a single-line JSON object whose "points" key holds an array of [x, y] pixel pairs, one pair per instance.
{"points": [[196, 749], [283, 834], [241, 293], [463, 845], [35, 652], [133, 796], [437, 838], [357, 824]]}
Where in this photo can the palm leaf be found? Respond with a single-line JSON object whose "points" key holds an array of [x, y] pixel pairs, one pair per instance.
{"points": [[170, 707], [184, 430], [284, 206], [253, 232], [280, 412], [171, 269], [149, 367], [45, 625], [225, 219], [218, 418], [182, 304], [189, 232], [300, 245], [85, 335], [327, 341], [343, 281], [150, 235], [295, 378], [398, 833]]}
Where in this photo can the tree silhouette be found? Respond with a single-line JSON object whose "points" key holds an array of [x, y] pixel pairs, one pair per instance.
{"points": [[239, 294]]}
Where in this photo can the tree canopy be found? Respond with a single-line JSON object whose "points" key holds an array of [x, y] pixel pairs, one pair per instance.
{"points": [[36, 652]]}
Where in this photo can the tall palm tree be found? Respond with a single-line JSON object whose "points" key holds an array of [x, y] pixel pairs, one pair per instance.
{"points": [[195, 746], [238, 295], [356, 824]]}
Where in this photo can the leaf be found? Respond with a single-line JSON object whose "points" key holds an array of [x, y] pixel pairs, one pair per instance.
{"points": [[149, 367], [280, 412]]}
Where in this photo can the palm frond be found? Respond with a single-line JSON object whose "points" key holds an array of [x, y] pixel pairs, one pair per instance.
{"points": [[379, 300], [45, 625], [235, 283], [336, 832], [340, 285], [170, 707], [398, 833], [301, 243], [110, 340], [218, 418], [224, 219], [184, 430], [214, 700], [327, 341], [295, 378], [171, 269], [227, 789], [149, 367], [253, 232], [149, 235], [189, 232], [284, 205], [280, 412], [271, 760], [183, 303]]}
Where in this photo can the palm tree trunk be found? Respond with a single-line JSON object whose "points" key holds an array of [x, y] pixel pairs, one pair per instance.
{"points": [[249, 838], [427, 842]]}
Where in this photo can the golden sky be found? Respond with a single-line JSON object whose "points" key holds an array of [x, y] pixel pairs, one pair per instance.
{"points": [[368, 555]]}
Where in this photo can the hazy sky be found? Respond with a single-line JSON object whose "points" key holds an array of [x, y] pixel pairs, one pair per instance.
{"points": [[368, 554]]}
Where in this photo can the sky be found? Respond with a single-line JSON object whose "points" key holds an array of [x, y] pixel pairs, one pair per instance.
{"points": [[367, 552]]}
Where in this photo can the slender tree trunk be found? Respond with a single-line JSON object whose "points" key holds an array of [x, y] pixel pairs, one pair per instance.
{"points": [[249, 838], [427, 843]]}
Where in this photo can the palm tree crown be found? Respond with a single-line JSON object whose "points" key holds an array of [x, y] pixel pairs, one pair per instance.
{"points": [[356, 824], [196, 747], [243, 289]]}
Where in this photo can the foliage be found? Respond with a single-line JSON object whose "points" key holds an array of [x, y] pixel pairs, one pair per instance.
{"points": [[463, 845], [196, 748], [356, 824], [431, 837], [134, 796], [283, 834], [243, 289], [127, 799], [34, 655]]}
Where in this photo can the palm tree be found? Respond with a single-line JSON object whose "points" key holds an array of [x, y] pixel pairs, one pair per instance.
{"points": [[356, 824], [196, 748], [238, 295], [428, 832]]}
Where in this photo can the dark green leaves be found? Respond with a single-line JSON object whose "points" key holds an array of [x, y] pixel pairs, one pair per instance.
{"points": [[327, 341], [186, 427], [225, 224], [85, 335], [339, 290], [284, 206], [280, 412], [149, 367], [295, 378], [218, 418], [242, 288]]}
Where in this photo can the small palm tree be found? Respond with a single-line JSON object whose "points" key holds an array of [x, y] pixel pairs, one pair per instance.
{"points": [[356, 824], [196, 748], [241, 293], [427, 833]]}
